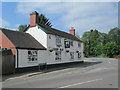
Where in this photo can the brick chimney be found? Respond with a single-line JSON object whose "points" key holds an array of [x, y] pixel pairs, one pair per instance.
{"points": [[33, 19], [72, 31]]}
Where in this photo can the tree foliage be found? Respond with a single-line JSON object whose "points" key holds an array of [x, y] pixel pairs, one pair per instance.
{"points": [[98, 50], [22, 28], [97, 43], [44, 21], [114, 35], [111, 49]]}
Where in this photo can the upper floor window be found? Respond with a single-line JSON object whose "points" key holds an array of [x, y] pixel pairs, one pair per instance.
{"points": [[71, 43], [58, 41], [67, 44], [79, 44]]}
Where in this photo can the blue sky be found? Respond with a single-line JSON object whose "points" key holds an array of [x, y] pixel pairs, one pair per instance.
{"points": [[83, 16]]}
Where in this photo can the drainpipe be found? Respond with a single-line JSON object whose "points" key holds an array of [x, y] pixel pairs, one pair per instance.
{"points": [[17, 58]]}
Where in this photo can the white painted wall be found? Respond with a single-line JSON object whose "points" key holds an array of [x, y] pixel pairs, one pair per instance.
{"points": [[47, 56], [51, 43], [82, 49], [23, 58], [39, 35]]}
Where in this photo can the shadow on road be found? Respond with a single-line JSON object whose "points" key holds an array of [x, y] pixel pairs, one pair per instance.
{"points": [[71, 65], [50, 68], [87, 64]]}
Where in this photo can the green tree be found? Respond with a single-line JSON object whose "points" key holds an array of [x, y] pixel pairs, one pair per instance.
{"points": [[111, 49], [97, 43], [44, 21], [114, 35], [22, 28], [103, 38], [98, 50], [87, 45], [94, 40], [86, 50], [91, 39]]}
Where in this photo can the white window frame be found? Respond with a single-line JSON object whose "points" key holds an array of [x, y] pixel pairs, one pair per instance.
{"points": [[72, 55], [67, 43], [58, 57], [71, 43], [79, 44], [58, 41], [79, 55], [32, 55]]}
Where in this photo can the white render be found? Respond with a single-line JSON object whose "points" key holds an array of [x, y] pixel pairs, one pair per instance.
{"points": [[51, 43], [39, 35], [45, 56], [23, 58]]}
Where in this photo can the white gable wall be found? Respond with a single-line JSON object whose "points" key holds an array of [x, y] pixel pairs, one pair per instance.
{"points": [[39, 35]]}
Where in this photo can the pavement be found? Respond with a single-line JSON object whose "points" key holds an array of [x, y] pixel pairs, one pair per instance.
{"points": [[93, 73]]}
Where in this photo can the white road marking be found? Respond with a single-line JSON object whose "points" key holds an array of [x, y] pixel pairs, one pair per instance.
{"points": [[80, 83]]}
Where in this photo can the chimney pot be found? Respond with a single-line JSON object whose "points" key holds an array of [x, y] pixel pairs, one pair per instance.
{"points": [[72, 31]]}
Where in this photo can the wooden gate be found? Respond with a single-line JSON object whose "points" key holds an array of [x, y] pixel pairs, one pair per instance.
{"points": [[8, 62]]}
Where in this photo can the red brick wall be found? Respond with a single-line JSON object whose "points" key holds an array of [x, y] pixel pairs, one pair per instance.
{"points": [[6, 43], [33, 19], [72, 31]]}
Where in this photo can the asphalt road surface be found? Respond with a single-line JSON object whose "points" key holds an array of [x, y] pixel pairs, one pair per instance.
{"points": [[94, 73]]}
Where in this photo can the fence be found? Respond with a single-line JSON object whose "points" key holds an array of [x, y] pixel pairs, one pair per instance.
{"points": [[8, 62]]}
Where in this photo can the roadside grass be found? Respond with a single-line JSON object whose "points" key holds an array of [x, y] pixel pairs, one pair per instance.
{"points": [[102, 56]]}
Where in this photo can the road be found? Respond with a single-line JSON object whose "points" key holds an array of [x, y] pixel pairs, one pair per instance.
{"points": [[94, 73]]}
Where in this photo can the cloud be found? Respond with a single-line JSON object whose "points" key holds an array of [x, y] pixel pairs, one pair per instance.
{"points": [[3, 23], [83, 16]]}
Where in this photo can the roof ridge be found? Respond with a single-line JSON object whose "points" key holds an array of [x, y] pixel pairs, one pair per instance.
{"points": [[57, 29], [63, 31], [12, 30], [59, 33]]}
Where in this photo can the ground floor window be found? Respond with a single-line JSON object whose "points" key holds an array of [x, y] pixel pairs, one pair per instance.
{"points": [[71, 55], [79, 54], [57, 55], [32, 55]]}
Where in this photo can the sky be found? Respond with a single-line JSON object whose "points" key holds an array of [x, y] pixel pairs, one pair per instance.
{"points": [[83, 16]]}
